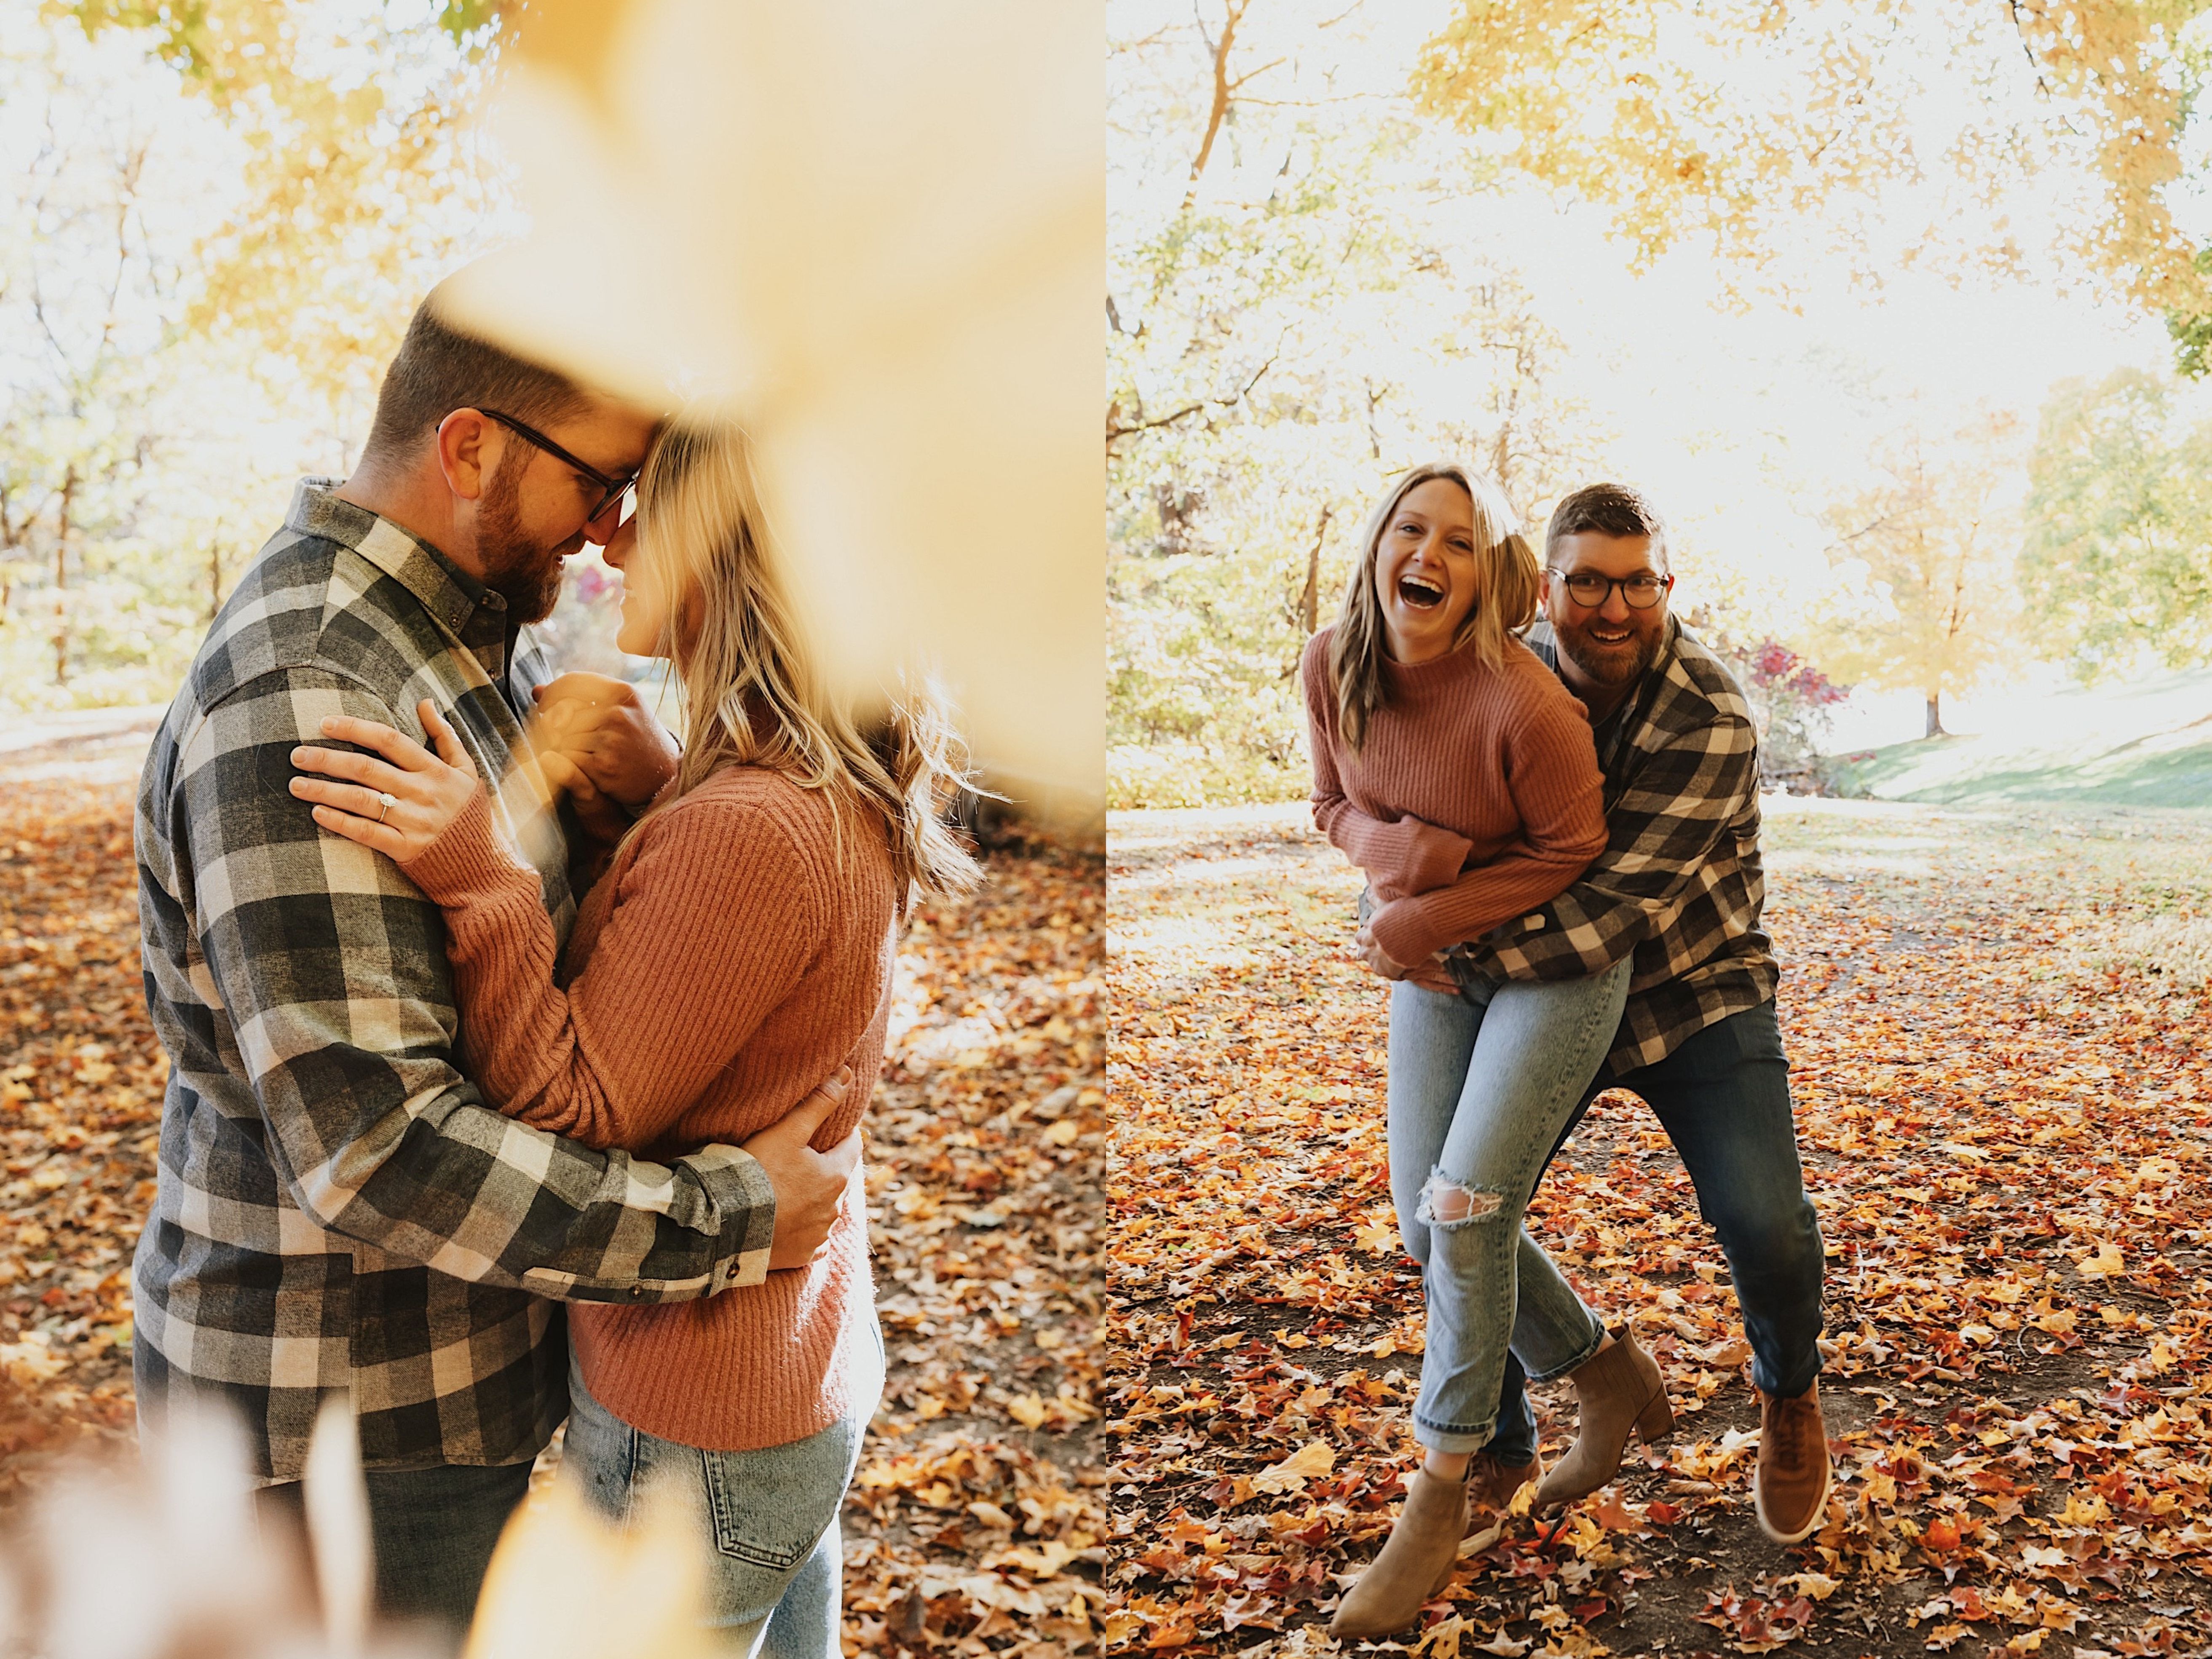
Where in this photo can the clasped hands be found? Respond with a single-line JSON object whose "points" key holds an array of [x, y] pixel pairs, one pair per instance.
{"points": [[595, 740]]}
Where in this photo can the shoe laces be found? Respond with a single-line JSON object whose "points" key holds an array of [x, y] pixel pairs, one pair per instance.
{"points": [[1792, 1421]]}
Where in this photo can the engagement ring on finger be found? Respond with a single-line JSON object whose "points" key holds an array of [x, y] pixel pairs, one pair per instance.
{"points": [[385, 803]]}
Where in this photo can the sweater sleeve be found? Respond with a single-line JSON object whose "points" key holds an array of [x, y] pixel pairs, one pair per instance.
{"points": [[1551, 772], [1404, 855], [714, 922]]}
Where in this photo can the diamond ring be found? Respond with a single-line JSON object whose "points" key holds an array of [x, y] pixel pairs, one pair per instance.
{"points": [[385, 804]]}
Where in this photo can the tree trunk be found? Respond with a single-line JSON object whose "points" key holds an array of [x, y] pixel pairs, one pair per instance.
{"points": [[61, 580], [1309, 599], [1935, 715]]}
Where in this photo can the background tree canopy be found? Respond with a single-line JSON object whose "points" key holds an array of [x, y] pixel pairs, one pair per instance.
{"points": [[1342, 241], [225, 213]]}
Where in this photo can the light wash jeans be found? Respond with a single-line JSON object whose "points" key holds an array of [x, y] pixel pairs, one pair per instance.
{"points": [[776, 1580], [1479, 1093]]}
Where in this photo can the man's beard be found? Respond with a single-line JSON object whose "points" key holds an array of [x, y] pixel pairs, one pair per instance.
{"points": [[1616, 667], [525, 573]]}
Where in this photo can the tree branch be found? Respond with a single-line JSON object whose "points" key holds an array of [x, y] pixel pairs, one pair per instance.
{"points": [[1223, 88], [1116, 428]]}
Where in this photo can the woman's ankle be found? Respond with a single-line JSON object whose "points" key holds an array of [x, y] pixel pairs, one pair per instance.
{"points": [[1446, 1466]]}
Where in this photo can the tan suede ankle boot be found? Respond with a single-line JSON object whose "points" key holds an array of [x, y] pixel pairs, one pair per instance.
{"points": [[1415, 1563], [1619, 1390]]}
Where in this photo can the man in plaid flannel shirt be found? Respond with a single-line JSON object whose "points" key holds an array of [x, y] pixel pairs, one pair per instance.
{"points": [[1679, 888], [337, 1210]]}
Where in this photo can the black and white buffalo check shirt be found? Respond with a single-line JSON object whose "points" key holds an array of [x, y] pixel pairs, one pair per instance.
{"points": [[1680, 882], [337, 1208]]}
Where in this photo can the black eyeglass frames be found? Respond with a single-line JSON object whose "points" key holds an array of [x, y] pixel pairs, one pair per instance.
{"points": [[1589, 590], [613, 489]]}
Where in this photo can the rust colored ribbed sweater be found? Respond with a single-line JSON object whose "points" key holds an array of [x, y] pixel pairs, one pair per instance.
{"points": [[727, 962], [1475, 797]]}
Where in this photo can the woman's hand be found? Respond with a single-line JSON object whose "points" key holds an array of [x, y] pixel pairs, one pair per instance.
{"points": [[398, 809], [1377, 958]]}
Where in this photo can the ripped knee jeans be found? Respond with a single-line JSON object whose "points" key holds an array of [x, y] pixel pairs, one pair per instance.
{"points": [[1477, 1095]]}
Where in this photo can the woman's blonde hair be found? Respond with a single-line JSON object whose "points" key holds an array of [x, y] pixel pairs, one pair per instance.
{"points": [[753, 694], [1504, 594]]}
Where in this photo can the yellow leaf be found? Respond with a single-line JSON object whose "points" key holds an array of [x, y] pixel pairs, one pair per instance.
{"points": [[1377, 1235], [2106, 1263], [1314, 1459], [1817, 1585]]}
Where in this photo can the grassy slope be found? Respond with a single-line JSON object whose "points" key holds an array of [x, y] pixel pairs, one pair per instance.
{"points": [[2145, 744]]}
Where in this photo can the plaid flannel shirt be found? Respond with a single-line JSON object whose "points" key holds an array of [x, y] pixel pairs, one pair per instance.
{"points": [[336, 1208], [1680, 883]]}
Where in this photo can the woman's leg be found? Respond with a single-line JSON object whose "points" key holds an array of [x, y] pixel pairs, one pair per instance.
{"points": [[810, 1614], [1477, 1093], [1431, 1039], [810, 1611], [1536, 1048], [769, 1517], [598, 1452]]}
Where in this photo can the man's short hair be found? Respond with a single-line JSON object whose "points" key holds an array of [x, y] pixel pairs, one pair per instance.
{"points": [[441, 367], [1607, 509]]}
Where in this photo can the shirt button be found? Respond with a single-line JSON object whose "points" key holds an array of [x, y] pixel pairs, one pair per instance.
{"points": [[636, 1291]]}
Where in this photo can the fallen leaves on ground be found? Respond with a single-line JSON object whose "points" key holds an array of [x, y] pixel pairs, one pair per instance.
{"points": [[976, 1521], [2006, 1118]]}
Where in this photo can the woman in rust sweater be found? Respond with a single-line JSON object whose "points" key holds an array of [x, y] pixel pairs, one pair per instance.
{"points": [[737, 951], [1457, 771]]}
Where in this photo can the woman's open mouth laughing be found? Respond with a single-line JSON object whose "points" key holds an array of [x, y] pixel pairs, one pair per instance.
{"points": [[1419, 592]]}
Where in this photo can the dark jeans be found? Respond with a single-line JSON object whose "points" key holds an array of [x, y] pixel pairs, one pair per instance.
{"points": [[432, 1531], [1723, 1099]]}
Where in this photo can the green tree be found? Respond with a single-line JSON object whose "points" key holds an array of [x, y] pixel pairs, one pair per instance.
{"points": [[2117, 567], [362, 176], [1932, 541]]}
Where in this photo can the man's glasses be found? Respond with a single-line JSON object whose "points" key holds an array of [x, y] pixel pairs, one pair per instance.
{"points": [[1589, 590], [614, 489]]}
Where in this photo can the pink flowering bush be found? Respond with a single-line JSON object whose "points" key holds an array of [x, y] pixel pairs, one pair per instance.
{"points": [[1791, 702]]}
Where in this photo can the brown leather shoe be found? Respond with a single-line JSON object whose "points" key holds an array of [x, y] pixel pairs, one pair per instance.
{"points": [[1491, 1486], [1620, 1390], [1791, 1488], [1415, 1563]]}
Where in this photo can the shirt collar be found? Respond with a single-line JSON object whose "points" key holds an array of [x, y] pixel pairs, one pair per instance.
{"points": [[464, 606], [450, 593]]}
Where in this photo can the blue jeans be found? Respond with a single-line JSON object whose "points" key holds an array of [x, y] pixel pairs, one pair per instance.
{"points": [[775, 1578], [1723, 1099], [1478, 1096]]}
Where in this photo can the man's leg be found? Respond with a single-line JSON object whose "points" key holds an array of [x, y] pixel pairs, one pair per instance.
{"points": [[433, 1531], [1723, 1098]]}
